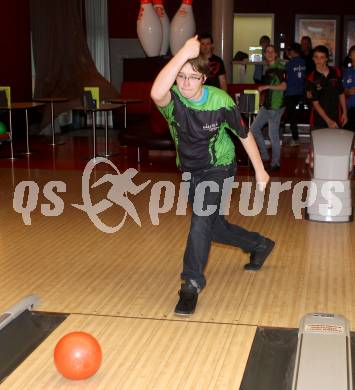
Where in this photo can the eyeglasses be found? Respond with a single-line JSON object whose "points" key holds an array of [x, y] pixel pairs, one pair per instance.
{"points": [[192, 78]]}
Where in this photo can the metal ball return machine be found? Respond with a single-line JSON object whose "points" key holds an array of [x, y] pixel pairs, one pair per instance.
{"points": [[317, 356], [330, 193], [323, 358]]}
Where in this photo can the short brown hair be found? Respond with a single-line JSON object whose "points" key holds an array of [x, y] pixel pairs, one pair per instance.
{"points": [[199, 65], [264, 40], [321, 49], [276, 50]]}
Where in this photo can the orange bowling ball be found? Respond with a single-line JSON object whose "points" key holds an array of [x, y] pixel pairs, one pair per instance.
{"points": [[77, 355]]}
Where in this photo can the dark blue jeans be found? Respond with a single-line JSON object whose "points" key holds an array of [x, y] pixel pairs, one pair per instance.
{"points": [[273, 119], [214, 227]]}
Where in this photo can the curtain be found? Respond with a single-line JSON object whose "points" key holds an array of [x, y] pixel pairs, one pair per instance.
{"points": [[97, 35], [98, 40], [62, 59]]}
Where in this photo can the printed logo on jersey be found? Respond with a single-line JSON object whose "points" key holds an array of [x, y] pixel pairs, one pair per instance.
{"points": [[211, 127]]}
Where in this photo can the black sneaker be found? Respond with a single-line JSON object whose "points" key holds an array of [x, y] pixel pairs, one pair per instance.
{"points": [[188, 299], [259, 255]]}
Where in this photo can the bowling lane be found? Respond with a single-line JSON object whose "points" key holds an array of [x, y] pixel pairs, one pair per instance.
{"points": [[76, 268], [145, 354], [312, 270]]}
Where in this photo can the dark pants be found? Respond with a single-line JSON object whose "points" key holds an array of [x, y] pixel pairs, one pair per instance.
{"points": [[350, 125], [291, 104], [214, 227]]}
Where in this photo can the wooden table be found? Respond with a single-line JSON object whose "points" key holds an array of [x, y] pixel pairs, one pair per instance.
{"points": [[52, 100], [125, 102], [20, 106], [105, 107]]}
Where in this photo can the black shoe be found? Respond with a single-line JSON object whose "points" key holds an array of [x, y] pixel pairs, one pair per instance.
{"points": [[259, 255], [188, 299]]}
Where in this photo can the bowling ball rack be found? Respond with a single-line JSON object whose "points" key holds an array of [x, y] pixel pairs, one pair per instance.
{"points": [[272, 357], [22, 331]]}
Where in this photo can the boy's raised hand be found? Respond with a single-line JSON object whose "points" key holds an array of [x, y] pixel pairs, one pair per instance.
{"points": [[192, 47]]}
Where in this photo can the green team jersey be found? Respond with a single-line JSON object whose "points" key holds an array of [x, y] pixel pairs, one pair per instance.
{"points": [[199, 128], [275, 74]]}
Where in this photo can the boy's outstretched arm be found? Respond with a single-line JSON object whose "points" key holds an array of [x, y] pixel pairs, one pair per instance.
{"points": [[160, 92], [252, 150]]}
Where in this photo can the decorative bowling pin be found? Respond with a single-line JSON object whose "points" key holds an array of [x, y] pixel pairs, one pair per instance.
{"points": [[149, 29], [182, 26], [165, 24]]}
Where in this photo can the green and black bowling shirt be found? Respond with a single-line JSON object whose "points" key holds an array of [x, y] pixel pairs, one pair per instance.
{"points": [[275, 74], [200, 128]]}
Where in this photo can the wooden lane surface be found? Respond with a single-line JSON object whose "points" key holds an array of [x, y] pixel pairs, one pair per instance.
{"points": [[76, 268], [145, 354]]}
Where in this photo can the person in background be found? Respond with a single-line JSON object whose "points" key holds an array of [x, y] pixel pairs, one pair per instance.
{"points": [[264, 41], [346, 62], [199, 118], [307, 53], [294, 94], [349, 89], [324, 88], [240, 56], [241, 59], [273, 107], [217, 72]]}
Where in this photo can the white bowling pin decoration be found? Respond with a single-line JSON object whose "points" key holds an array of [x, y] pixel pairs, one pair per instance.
{"points": [[165, 24], [182, 26], [149, 29]]}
